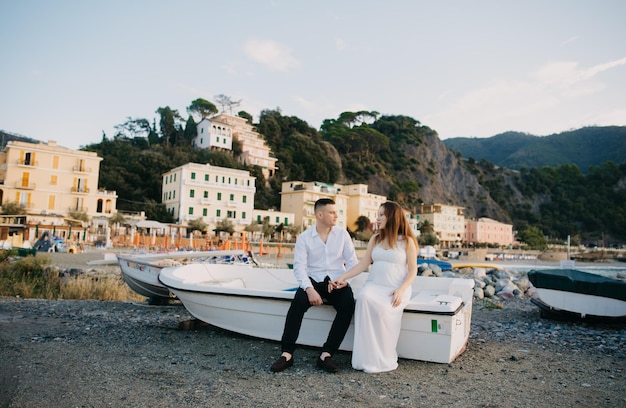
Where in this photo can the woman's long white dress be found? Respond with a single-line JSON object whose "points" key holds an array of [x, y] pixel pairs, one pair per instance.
{"points": [[376, 321]]}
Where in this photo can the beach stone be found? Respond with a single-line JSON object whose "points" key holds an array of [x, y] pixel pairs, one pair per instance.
{"points": [[466, 271], [436, 269], [479, 283], [522, 283], [480, 273], [479, 293], [450, 274], [489, 291], [427, 272], [502, 283]]}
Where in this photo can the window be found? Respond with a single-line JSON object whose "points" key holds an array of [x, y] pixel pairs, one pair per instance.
{"points": [[53, 180], [219, 196], [206, 177], [204, 212], [218, 213], [286, 223], [51, 200], [231, 214], [243, 215], [192, 193], [206, 194], [190, 210], [193, 175], [244, 198], [55, 162], [232, 197]]}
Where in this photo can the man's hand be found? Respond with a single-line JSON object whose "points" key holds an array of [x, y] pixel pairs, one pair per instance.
{"points": [[314, 298]]}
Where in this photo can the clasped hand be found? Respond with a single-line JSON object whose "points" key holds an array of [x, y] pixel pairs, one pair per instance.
{"points": [[336, 284]]}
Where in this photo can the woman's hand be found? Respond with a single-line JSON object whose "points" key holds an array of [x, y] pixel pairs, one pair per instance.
{"points": [[336, 284], [396, 297]]}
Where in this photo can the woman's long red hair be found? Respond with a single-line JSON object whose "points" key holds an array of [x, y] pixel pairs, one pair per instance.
{"points": [[396, 225]]}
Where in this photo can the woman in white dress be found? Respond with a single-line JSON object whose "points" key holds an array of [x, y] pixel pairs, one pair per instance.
{"points": [[392, 254]]}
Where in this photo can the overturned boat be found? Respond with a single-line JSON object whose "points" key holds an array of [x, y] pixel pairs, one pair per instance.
{"points": [[574, 294]]}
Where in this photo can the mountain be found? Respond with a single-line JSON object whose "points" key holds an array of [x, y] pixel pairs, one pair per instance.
{"points": [[585, 147]]}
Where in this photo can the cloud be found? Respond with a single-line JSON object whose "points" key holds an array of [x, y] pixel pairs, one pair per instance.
{"points": [[566, 73], [271, 54], [340, 44]]}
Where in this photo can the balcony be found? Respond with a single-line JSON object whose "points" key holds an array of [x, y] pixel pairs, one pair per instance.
{"points": [[81, 169], [82, 190], [28, 163], [25, 186]]}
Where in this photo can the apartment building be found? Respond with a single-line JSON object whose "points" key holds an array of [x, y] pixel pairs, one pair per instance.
{"points": [[275, 218], [448, 222], [299, 198], [49, 179], [361, 203], [211, 193], [213, 134], [255, 151], [486, 230]]}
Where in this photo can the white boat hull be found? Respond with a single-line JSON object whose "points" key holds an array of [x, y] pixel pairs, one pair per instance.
{"points": [[233, 298], [582, 304]]}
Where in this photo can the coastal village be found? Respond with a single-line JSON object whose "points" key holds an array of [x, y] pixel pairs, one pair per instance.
{"points": [[53, 184]]}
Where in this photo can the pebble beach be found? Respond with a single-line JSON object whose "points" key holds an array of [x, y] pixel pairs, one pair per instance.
{"points": [[86, 353]]}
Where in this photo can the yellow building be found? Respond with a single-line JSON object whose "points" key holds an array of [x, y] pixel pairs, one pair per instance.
{"points": [[361, 203], [48, 179], [211, 193], [352, 201], [299, 198], [448, 222]]}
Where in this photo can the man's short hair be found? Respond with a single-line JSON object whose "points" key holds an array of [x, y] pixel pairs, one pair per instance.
{"points": [[322, 202]]}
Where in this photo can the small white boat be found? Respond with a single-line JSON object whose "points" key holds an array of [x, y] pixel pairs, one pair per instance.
{"points": [[141, 272], [254, 302], [574, 294]]}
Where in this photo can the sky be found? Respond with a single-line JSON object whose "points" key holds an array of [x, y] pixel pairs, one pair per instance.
{"points": [[71, 70]]}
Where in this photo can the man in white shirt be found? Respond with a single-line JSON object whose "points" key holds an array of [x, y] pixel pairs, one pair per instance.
{"points": [[323, 253]]}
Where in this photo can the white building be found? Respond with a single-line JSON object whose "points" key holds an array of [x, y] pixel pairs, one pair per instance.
{"points": [[213, 134], [211, 193]]}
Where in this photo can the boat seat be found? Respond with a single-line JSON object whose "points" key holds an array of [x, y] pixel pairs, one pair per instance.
{"points": [[232, 283]]}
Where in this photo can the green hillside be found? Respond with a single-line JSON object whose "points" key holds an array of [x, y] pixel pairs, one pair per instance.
{"points": [[589, 146]]}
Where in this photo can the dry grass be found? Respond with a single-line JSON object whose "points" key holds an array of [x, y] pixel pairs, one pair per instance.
{"points": [[97, 287], [34, 277]]}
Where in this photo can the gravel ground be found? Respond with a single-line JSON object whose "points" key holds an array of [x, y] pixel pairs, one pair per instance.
{"points": [[120, 354]]}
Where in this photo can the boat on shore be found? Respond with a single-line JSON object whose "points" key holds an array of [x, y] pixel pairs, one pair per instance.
{"points": [[141, 272], [255, 301], [574, 294]]}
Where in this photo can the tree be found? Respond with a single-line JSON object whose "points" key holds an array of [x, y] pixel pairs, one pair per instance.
{"points": [[245, 115], [13, 208], [534, 238], [363, 223], [197, 225], [201, 108], [171, 128], [226, 102], [225, 225]]}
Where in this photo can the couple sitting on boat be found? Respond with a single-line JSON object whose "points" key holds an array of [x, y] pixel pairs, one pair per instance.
{"points": [[322, 255]]}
